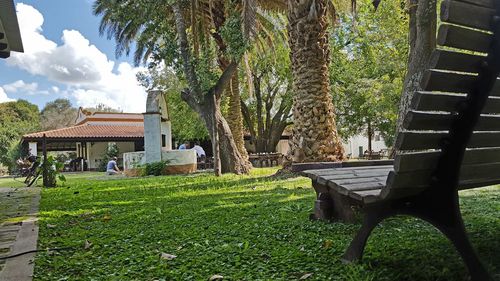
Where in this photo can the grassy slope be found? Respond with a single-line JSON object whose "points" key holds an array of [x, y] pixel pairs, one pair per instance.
{"points": [[244, 228]]}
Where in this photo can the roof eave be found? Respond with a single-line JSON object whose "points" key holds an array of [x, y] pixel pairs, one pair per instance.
{"points": [[9, 26]]}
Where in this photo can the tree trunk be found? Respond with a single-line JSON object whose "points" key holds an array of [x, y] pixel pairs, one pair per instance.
{"points": [[423, 21], [315, 135], [234, 118], [230, 158], [215, 139], [207, 104]]}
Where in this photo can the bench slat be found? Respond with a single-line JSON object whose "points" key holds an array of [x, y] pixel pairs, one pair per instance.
{"points": [[432, 121], [428, 101], [428, 160], [452, 82], [470, 176], [339, 171], [431, 140], [348, 188], [340, 175], [367, 196], [466, 14], [455, 61], [484, 3], [462, 38]]}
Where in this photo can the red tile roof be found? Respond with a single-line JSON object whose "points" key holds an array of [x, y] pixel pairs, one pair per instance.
{"points": [[91, 132]]}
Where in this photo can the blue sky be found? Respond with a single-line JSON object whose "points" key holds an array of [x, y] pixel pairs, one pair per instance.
{"points": [[65, 57]]}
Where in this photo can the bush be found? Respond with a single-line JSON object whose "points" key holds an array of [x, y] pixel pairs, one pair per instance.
{"points": [[155, 168], [53, 168]]}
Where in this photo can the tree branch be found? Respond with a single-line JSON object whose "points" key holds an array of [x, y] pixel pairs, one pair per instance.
{"points": [[224, 79]]}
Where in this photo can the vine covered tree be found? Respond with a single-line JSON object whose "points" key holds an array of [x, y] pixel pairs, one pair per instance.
{"points": [[149, 24]]}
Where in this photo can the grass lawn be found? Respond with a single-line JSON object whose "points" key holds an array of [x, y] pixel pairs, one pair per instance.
{"points": [[241, 227]]}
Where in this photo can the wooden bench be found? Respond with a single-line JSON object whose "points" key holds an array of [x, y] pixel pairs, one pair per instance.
{"points": [[450, 141]]}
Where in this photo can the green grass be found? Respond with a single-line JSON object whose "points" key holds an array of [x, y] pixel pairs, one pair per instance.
{"points": [[242, 227]]}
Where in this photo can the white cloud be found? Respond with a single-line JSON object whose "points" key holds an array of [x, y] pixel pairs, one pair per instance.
{"points": [[84, 70], [3, 96], [20, 86]]}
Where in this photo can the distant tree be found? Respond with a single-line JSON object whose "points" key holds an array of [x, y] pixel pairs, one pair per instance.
{"points": [[101, 107], [267, 108], [16, 119], [369, 61], [58, 114]]}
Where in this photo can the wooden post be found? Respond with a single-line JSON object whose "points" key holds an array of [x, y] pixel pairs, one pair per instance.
{"points": [[44, 164], [215, 141]]}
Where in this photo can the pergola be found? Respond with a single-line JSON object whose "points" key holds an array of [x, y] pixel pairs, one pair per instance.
{"points": [[10, 36]]}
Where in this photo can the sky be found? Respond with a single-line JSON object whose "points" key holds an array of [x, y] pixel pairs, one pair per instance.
{"points": [[65, 57]]}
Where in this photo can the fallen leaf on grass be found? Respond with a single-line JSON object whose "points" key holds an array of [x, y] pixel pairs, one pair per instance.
{"points": [[87, 245], [216, 277], [106, 217], [168, 257], [51, 226], [328, 244], [305, 276]]}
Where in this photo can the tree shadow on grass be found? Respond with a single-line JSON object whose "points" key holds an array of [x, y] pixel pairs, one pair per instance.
{"points": [[255, 228]]}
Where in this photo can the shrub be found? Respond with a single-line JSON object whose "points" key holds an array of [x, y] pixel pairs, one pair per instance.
{"points": [[53, 168], [155, 168]]}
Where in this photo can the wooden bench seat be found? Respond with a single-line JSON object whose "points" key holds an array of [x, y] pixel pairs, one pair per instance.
{"points": [[450, 139]]}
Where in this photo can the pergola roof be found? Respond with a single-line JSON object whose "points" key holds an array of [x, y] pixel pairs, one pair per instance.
{"points": [[87, 132], [10, 36]]}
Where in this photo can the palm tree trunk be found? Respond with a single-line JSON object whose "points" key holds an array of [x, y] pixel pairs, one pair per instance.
{"points": [[315, 135], [235, 118]]}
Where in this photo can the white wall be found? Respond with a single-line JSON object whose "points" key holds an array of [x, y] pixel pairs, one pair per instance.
{"points": [[353, 144]]}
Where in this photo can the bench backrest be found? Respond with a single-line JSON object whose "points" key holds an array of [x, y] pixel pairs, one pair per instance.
{"points": [[464, 38]]}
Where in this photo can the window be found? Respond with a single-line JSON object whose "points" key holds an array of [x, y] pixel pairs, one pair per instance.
{"points": [[163, 140]]}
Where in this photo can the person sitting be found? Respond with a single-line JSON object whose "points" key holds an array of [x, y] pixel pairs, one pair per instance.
{"points": [[200, 152], [112, 168], [185, 145]]}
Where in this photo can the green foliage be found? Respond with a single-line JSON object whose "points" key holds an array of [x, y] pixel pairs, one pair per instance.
{"points": [[232, 34], [242, 227], [368, 67], [53, 170], [155, 168], [16, 119], [58, 114], [111, 151]]}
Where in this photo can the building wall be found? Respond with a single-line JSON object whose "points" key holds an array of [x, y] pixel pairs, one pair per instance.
{"points": [[96, 151], [360, 143], [352, 146]]}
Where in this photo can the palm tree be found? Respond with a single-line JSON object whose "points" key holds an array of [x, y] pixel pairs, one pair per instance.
{"points": [[315, 135]]}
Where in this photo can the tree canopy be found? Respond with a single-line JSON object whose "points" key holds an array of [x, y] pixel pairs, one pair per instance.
{"points": [[16, 119]]}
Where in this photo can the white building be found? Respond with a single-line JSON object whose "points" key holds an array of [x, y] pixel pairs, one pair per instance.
{"points": [[91, 135]]}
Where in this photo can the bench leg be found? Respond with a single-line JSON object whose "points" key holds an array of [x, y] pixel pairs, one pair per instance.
{"points": [[449, 221], [323, 208], [371, 219], [332, 206], [441, 211]]}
